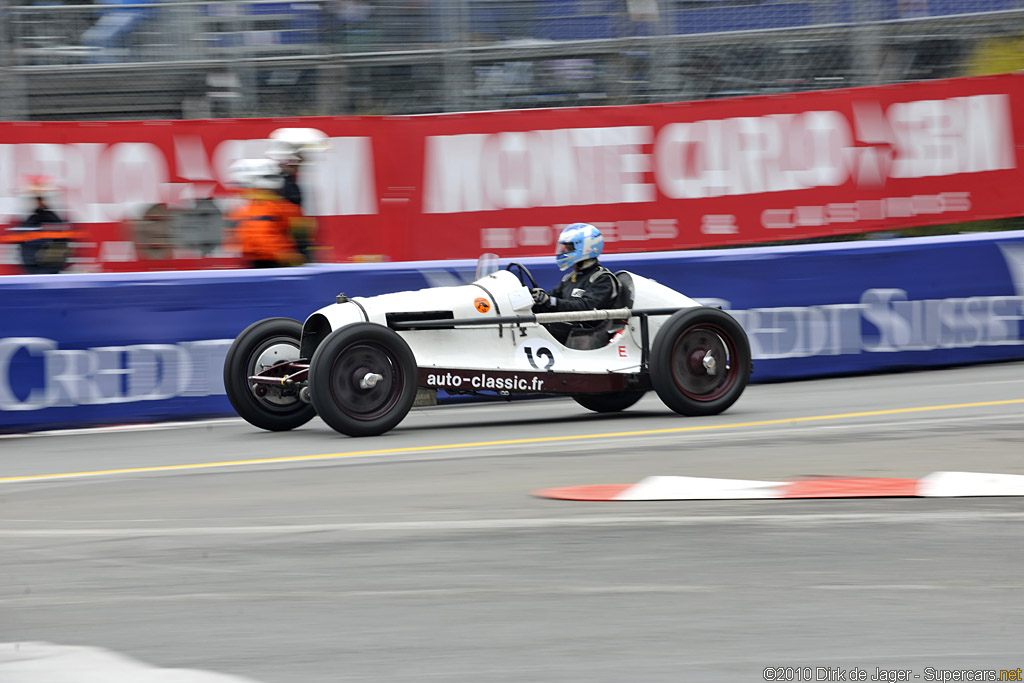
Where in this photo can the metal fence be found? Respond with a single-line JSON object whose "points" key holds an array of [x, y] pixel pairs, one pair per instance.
{"points": [[113, 60]]}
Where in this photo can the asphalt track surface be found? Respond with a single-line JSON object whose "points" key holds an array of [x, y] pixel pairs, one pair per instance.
{"points": [[309, 557]]}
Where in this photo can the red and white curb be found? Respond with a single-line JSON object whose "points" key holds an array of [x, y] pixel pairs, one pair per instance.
{"points": [[31, 662], [935, 485]]}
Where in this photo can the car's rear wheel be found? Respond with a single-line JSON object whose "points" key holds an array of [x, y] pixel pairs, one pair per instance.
{"points": [[260, 346], [362, 379], [700, 361], [608, 403]]}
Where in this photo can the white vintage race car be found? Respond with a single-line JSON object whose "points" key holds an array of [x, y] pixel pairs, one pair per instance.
{"points": [[362, 363]]}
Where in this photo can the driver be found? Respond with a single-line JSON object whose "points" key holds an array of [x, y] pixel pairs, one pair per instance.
{"points": [[589, 286]]}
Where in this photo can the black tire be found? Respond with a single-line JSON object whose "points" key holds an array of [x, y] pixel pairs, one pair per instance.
{"points": [[345, 358], [262, 343], [609, 403], [686, 345]]}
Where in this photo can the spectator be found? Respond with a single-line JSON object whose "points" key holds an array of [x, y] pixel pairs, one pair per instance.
{"points": [[290, 148], [43, 237], [263, 226]]}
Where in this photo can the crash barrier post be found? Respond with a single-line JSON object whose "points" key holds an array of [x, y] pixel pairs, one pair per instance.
{"points": [[80, 350]]}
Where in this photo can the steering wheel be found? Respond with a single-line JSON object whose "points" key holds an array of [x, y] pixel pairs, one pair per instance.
{"points": [[524, 274]]}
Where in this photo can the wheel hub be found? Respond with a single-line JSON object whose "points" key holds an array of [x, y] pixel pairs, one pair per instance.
{"points": [[709, 363], [365, 384], [370, 380], [696, 366], [273, 354], [702, 361]]}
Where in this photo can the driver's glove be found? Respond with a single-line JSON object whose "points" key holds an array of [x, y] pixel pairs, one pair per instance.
{"points": [[540, 297]]}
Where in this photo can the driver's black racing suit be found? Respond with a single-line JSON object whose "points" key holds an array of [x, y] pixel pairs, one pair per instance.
{"points": [[591, 287]]}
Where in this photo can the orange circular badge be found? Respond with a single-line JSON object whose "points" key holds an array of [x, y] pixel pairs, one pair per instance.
{"points": [[482, 304]]}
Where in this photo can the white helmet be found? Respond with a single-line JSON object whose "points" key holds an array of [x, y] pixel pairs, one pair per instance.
{"points": [[287, 145], [256, 174]]}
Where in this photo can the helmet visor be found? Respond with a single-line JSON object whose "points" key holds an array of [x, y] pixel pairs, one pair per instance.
{"points": [[564, 248]]}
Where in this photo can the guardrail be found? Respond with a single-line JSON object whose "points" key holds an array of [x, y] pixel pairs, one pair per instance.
{"points": [[116, 348]]}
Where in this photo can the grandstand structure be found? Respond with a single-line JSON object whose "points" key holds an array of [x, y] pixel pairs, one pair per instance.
{"points": [[152, 59]]}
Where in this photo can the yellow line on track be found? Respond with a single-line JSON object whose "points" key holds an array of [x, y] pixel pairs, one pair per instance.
{"points": [[509, 442]]}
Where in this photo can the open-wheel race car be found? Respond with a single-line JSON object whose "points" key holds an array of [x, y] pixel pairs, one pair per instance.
{"points": [[362, 362]]}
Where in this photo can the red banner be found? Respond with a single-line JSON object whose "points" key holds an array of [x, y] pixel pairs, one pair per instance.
{"points": [[652, 177]]}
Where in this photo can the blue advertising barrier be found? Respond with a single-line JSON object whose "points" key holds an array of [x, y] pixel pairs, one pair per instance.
{"points": [[79, 349]]}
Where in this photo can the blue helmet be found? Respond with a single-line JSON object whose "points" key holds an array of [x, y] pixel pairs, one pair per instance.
{"points": [[578, 242]]}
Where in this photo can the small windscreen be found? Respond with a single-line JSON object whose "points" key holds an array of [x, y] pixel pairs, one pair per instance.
{"points": [[486, 264]]}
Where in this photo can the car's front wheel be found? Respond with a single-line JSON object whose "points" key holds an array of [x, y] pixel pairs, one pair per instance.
{"points": [[260, 346], [362, 379], [700, 361]]}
